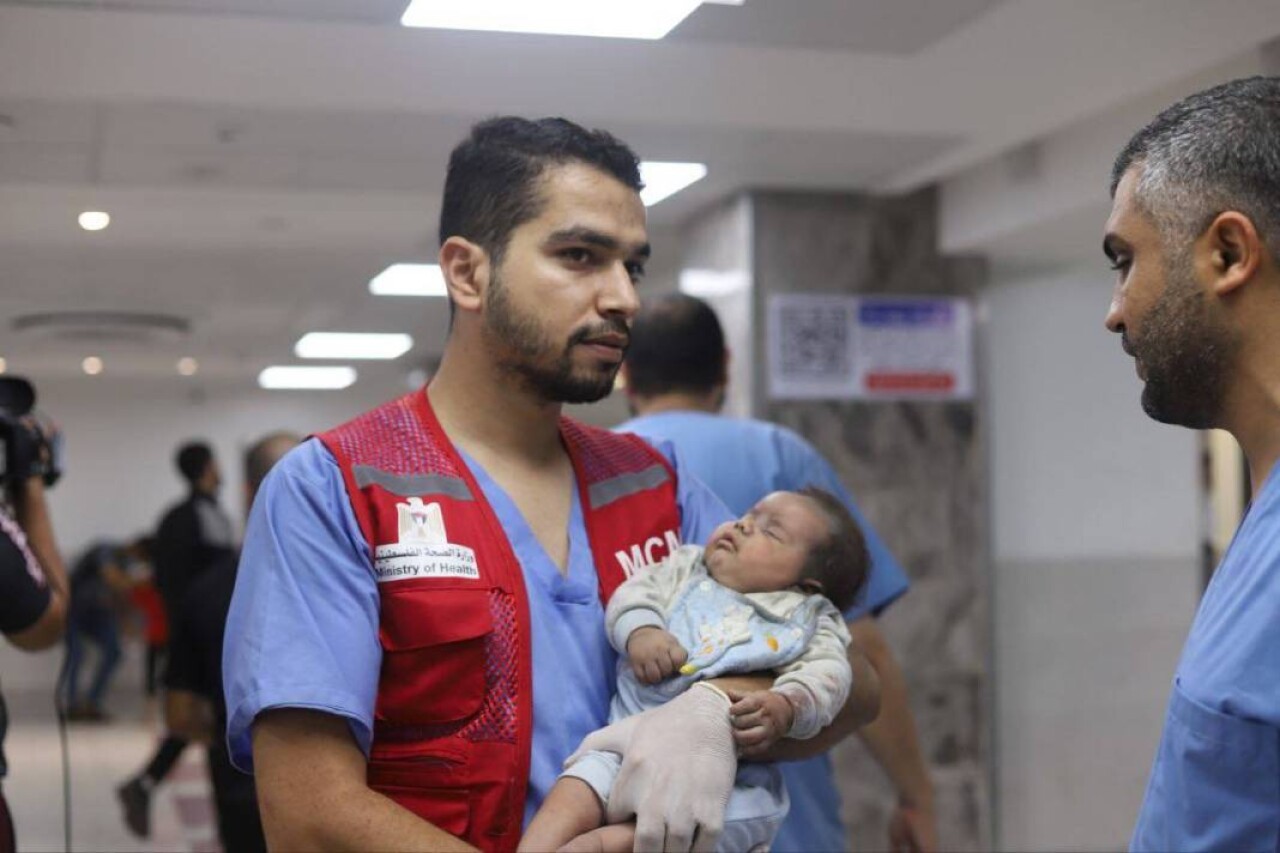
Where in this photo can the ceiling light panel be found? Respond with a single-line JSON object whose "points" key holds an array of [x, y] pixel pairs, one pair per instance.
{"points": [[292, 377], [352, 345], [409, 280], [635, 19], [662, 180]]}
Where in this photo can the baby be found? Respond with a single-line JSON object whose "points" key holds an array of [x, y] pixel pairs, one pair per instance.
{"points": [[765, 594]]}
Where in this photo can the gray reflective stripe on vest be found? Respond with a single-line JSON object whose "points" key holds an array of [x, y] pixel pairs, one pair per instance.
{"points": [[414, 485], [607, 491]]}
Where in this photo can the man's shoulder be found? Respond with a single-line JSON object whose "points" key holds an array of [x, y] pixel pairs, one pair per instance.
{"points": [[673, 425]]}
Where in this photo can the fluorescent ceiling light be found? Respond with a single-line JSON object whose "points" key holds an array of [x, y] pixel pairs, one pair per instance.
{"points": [[409, 280], [94, 220], [635, 19], [665, 179], [282, 377], [352, 345], [709, 284]]}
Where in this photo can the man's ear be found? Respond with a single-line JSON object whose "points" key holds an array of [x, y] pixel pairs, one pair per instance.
{"points": [[466, 270], [1234, 251], [724, 367]]}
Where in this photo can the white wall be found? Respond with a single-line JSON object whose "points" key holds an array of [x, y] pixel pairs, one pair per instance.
{"points": [[121, 436], [1096, 525]]}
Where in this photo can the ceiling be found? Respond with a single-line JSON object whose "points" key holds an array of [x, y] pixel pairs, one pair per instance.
{"points": [[262, 159]]}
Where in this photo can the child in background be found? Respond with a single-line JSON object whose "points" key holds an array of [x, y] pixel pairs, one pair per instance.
{"points": [[766, 593]]}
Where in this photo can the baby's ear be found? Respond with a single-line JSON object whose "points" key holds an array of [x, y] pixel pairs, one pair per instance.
{"points": [[811, 586]]}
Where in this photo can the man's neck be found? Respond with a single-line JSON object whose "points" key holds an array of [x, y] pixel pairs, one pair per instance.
{"points": [[485, 410], [678, 401], [1253, 417]]}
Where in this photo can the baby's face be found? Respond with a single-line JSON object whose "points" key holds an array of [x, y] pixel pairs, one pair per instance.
{"points": [[765, 550]]}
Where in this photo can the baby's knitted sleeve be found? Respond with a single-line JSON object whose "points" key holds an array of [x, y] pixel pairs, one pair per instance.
{"points": [[818, 682]]}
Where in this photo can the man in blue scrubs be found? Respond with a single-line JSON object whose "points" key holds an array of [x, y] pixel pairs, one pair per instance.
{"points": [[1194, 237], [543, 240], [677, 372]]}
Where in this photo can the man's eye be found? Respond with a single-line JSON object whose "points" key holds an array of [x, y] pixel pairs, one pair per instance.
{"points": [[635, 270], [1120, 263], [576, 255]]}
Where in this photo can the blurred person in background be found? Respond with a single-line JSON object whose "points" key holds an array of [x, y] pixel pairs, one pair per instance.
{"points": [[149, 606], [194, 535], [100, 584], [34, 591], [676, 373], [195, 705]]}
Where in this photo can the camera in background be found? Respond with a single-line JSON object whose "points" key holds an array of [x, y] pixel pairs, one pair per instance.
{"points": [[30, 445]]}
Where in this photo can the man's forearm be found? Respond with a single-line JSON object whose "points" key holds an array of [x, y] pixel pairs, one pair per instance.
{"points": [[32, 514], [362, 819], [313, 795], [892, 738]]}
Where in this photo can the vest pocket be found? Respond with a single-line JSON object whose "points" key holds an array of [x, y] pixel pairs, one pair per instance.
{"points": [[433, 662], [447, 808]]}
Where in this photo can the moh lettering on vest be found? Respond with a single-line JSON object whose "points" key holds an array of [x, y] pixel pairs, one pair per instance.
{"points": [[423, 549]]}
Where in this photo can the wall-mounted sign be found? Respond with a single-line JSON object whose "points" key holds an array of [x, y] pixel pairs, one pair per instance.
{"points": [[869, 347]]}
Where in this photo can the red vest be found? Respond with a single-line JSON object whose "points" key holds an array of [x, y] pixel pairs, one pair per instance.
{"points": [[454, 715]]}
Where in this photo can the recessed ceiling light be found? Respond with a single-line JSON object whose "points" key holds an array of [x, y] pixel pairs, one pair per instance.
{"points": [[281, 377], [188, 366], [94, 220], [409, 280], [92, 365], [637, 19], [352, 345], [666, 179]]}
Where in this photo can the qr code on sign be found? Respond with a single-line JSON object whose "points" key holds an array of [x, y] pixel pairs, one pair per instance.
{"points": [[814, 342]]}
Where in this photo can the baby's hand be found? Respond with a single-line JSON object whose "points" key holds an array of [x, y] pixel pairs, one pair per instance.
{"points": [[760, 720], [654, 654]]}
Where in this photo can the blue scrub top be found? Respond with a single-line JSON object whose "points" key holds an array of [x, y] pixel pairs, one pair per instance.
{"points": [[1215, 783], [742, 461], [303, 627]]}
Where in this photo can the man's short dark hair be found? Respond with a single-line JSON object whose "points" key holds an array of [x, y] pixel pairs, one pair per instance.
{"points": [[841, 563], [492, 184], [264, 454], [1214, 151], [192, 460], [677, 344]]}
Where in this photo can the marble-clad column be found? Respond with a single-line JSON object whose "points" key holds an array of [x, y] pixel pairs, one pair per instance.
{"points": [[918, 472]]}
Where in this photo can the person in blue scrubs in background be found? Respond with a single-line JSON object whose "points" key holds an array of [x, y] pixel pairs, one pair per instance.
{"points": [[1194, 236], [676, 374], [543, 240]]}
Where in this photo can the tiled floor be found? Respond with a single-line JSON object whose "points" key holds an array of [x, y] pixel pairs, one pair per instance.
{"points": [[101, 756]]}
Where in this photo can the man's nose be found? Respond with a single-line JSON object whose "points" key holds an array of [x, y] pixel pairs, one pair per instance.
{"points": [[618, 293], [1114, 320]]}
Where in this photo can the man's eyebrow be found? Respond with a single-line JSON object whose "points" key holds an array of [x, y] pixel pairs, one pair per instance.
{"points": [[582, 234]]}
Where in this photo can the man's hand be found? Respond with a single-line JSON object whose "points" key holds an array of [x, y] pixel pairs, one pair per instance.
{"points": [[677, 770], [912, 830], [760, 720], [654, 654]]}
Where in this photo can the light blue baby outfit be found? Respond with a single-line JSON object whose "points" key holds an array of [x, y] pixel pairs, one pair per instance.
{"points": [[802, 637]]}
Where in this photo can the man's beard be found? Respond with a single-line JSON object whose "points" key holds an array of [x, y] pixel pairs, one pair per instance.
{"points": [[527, 352], [1185, 352]]}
